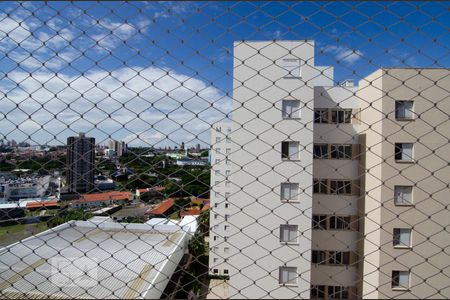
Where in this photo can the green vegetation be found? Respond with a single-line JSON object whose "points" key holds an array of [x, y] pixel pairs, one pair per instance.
{"points": [[68, 215], [149, 171], [42, 164], [13, 233]]}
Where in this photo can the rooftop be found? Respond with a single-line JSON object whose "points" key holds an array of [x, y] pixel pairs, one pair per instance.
{"points": [[113, 195], [161, 208], [83, 259]]}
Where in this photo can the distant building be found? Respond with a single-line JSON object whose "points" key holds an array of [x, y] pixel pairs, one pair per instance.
{"points": [[104, 184], [14, 189], [191, 162], [119, 147], [80, 163], [197, 148], [164, 209], [102, 199]]}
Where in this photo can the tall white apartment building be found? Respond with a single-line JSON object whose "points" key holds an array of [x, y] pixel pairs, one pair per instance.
{"points": [[293, 196]]}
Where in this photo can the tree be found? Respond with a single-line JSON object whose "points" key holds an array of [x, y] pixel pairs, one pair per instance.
{"points": [[197, 245]]}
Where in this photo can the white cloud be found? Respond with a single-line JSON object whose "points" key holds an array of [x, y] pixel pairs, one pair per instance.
{"points": [[160, 105], [347, 55]]}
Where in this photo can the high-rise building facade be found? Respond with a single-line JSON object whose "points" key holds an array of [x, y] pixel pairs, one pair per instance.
{"points": [[330, 191], [119, 147], [80, 163]]}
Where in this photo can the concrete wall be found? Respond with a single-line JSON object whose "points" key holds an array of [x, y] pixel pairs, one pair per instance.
{"points": [[429, 173]]}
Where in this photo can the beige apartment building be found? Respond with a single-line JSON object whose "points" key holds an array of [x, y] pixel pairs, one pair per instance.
{"points": [[321, 190]]}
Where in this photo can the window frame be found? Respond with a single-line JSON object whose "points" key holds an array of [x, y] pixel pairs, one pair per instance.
{"points": [[289, 281], [340, 187], [295, 113], [398, 116], [338, 151], [402, 192], [396, 279], [345, 221], [292, 230], [320, 186], [322, 219], [318, 257], [322, 154], [288, 156], [398, 153], [321, 116], [294, 189], [396, 238]]}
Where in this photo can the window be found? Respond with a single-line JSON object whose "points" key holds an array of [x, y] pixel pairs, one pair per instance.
{"points": [[215, 249], [216, 216], [339, 258], [403, 151], [226, 205], [289, 150], [225, 271], [228, 140], [341, 187], [228, 129], [227, 194], [320, 151], [320, 186], [227, 172], [337, 292], [318, 291], [341, 116], [215, 259], [218, 139], [215, 271], [402, 237], [216, 205], [400, 279], [218, 150], [217, 161], [319, 222], [288, 233], [228, 150], [341, 151], [226, 227], [290, 109], [339, 222], [404, 110], [402, 194], [320, 115], [217, 172], [216, 238], [226, 217], [227, 161], [226, 250], [288, 275], [216, 194], [216, 227], [318, 257], [217, 183], [292, 67], [289, 191], [227, 183]]}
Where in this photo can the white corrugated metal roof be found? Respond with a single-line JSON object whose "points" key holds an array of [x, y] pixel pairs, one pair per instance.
{"points": [[81, 259]]}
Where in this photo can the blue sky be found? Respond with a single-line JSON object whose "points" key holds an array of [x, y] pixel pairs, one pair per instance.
{"points": [[121, 65]]}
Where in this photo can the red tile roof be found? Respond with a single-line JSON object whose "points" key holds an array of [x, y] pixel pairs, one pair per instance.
{"points": [[108, 196], [161, 208], [189, 212], [38, 204]]}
